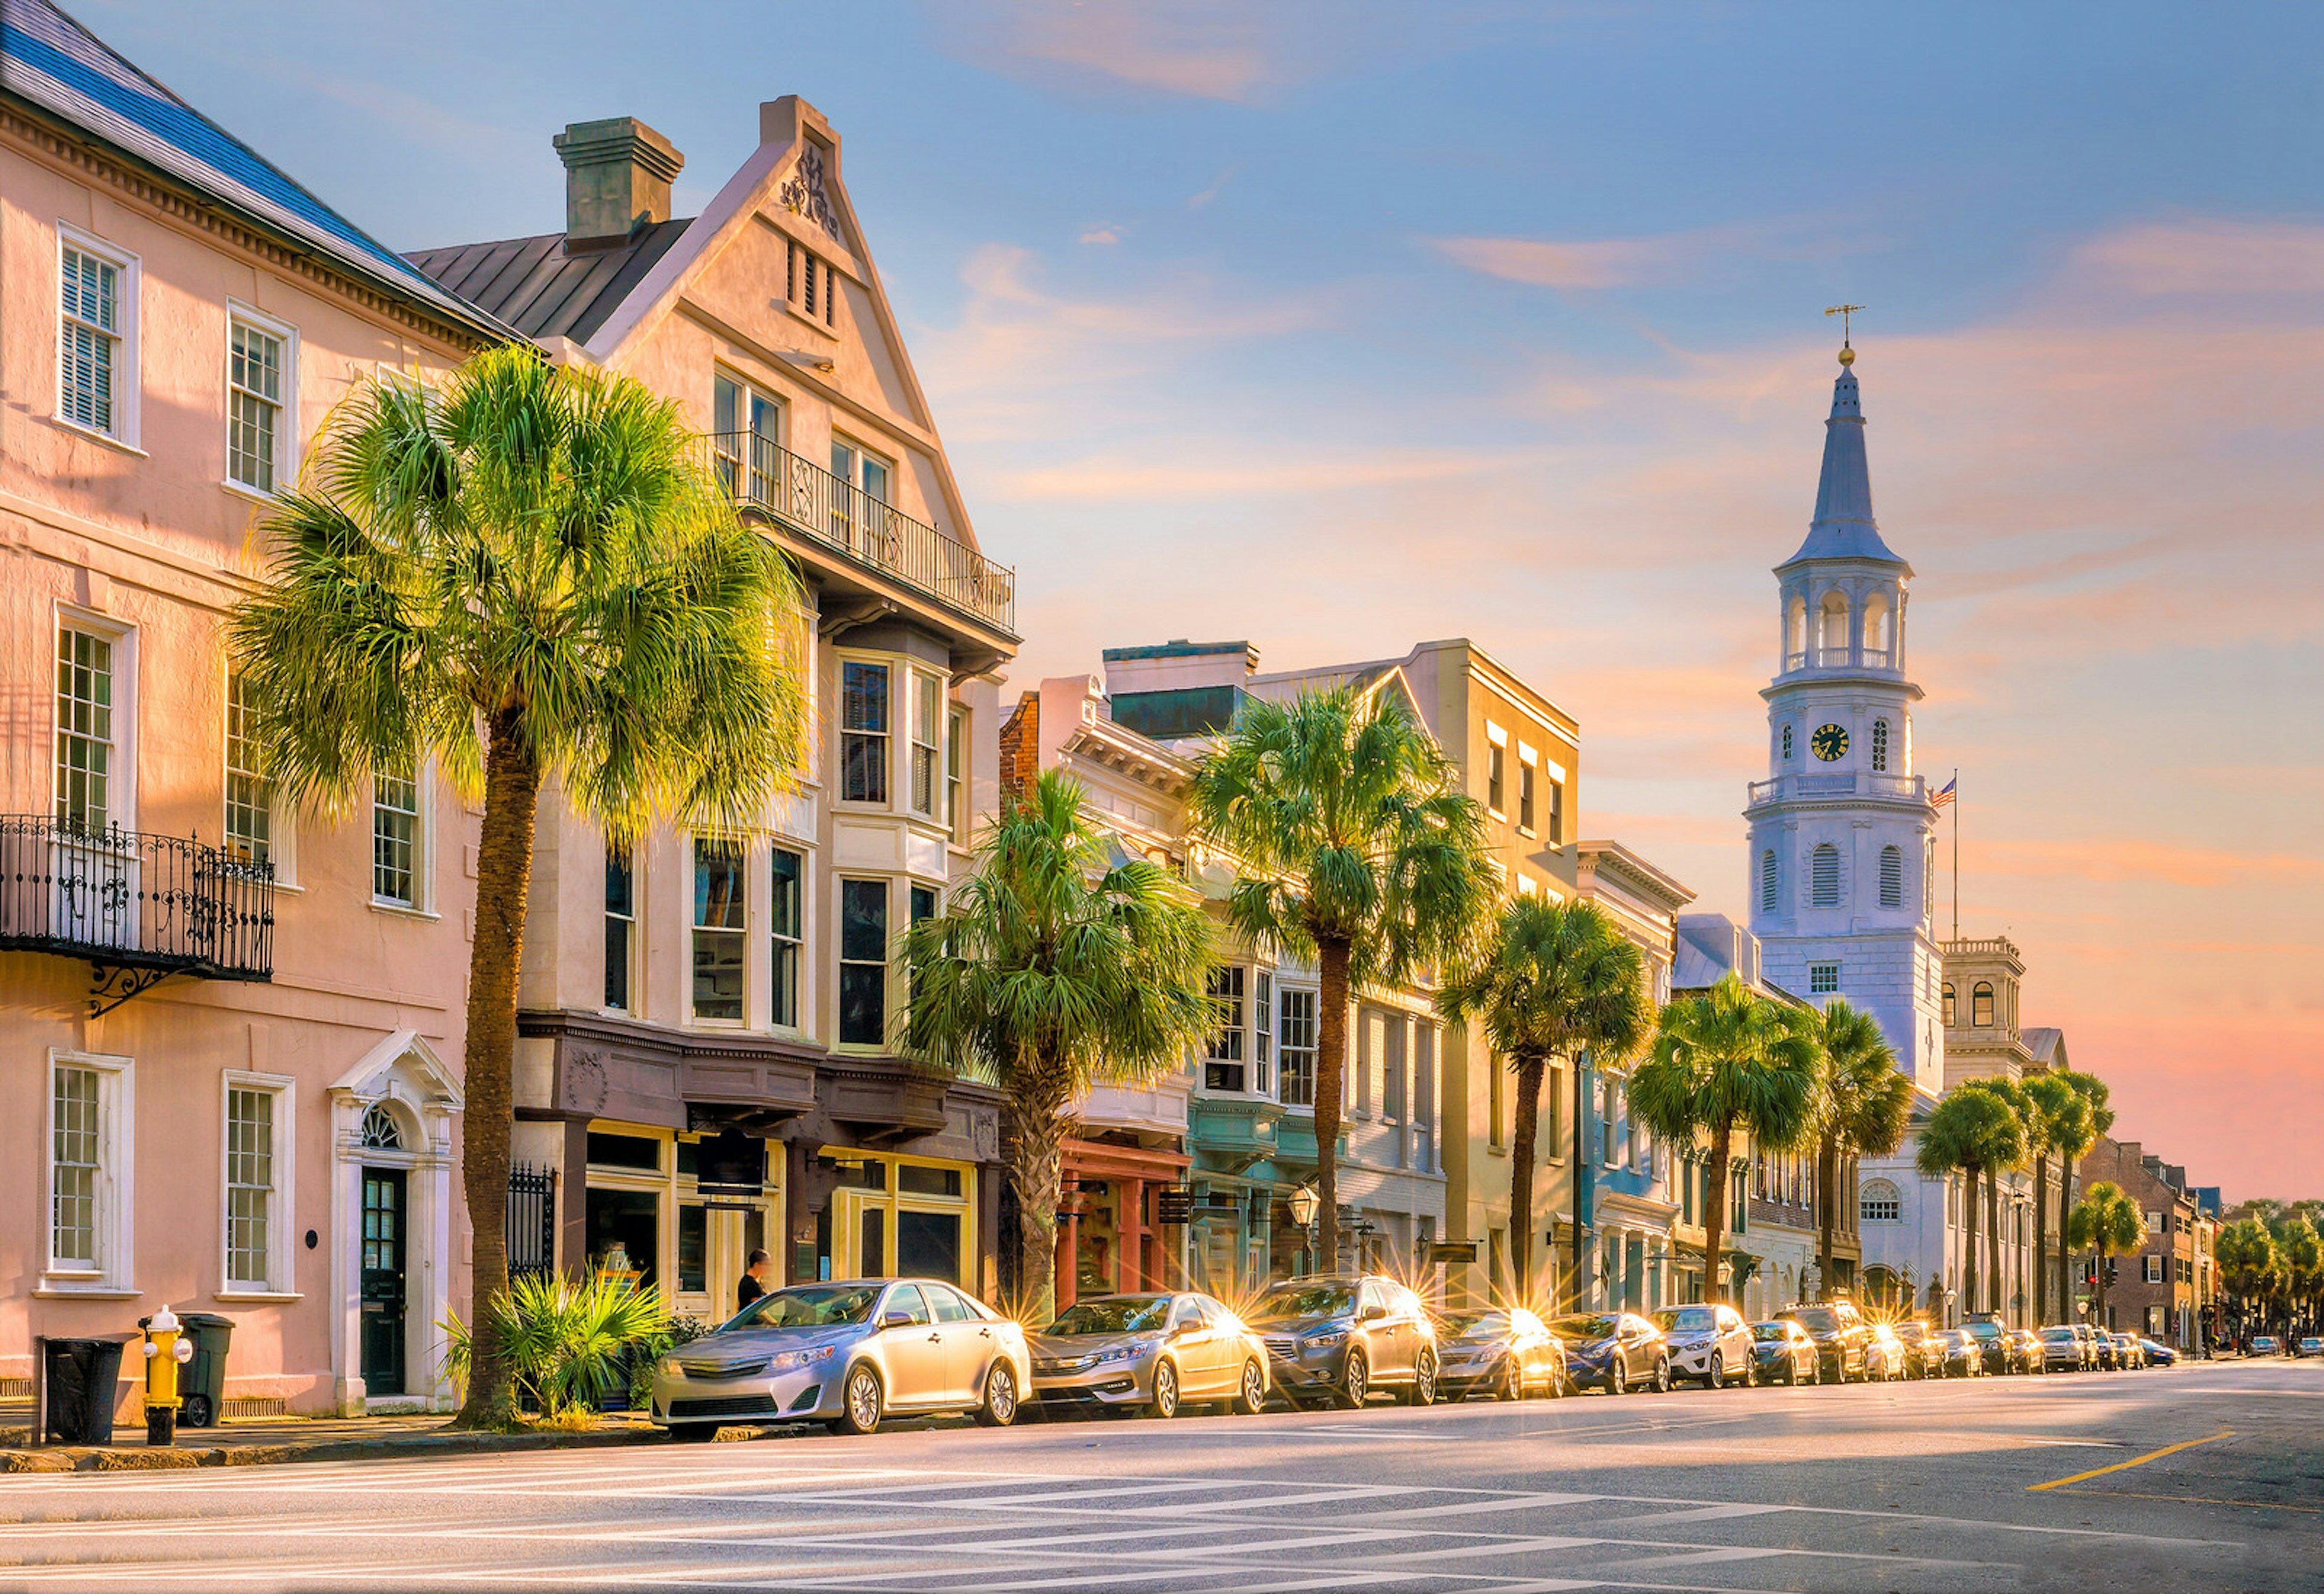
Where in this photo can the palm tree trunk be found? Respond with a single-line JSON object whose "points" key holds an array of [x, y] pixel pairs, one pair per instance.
{"points": [[1968, 1230], [1034, 1111], [2100, 1314], [1577, 1282], [1827, 1211], [2039, 1292], [1993, 1237], [503, 879], [1530, 1071], [1331, 1086], [1714, 1211], [2065, 1255]]}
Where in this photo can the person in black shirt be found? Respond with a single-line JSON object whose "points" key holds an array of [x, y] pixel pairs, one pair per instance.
{"points": [[754, 1280]]}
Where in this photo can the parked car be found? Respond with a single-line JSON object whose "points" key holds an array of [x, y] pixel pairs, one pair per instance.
{"points": [[2110, 1352], [1782, 1353], [1616, 1351], [2312, 1346], [1710, 1344], [2159, 1354], [2094, 1344], [1923, 1354], [2127, 1355], [847, 1354], [2063, 1350], [1841, 1334], [2025, 1354], [1344, 1340], [1503, 1351], [1964, 1356], [1885, 1356], [1148, 1352], [2266, 1344], [1992, 1343]]}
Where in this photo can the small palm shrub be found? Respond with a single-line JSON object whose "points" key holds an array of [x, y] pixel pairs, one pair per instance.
{"points": [[570, 1343]]}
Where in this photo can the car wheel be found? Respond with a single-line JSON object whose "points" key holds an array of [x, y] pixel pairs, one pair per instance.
{"points": [[1662, 1374], [1751, 1374], [1356, 1378], [999, 1407], [1714, 1377], [693, 1432], [862, 1401], [1251, 1399], [1424, 1381], [1618, 1375], [1165, 1404], [1815, 1372]]}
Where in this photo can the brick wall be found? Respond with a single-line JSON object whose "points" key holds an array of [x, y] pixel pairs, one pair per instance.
{"points": [[1020, 746]]}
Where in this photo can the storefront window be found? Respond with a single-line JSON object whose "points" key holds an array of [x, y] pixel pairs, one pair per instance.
{"points": [[890, 1217]]}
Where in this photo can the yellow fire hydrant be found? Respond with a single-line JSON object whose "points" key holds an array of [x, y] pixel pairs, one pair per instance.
{"points": [[166, 1350]]}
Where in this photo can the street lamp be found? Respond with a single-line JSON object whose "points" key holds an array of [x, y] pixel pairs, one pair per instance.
{"points": [[1303, 1202]]}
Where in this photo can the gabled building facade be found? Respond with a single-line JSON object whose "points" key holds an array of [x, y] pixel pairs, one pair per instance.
{"points": [[707, 1060]]}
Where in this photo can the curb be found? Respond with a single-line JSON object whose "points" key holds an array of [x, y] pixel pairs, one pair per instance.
{"points": [[80, 1459]]}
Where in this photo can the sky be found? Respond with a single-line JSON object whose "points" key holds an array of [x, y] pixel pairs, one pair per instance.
{"points": [[1339, 327]]}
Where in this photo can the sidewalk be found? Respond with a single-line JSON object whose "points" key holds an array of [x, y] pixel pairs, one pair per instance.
{"points": [[268, 1440]]}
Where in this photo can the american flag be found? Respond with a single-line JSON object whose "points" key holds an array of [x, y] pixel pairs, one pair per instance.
{"points": [[1940, 798]]}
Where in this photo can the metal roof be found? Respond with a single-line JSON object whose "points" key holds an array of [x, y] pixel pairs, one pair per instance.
{"points": [[51, 61], [541, 290]]}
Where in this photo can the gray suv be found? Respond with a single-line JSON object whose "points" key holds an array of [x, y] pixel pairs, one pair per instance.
{"points": [[1343, 1340]]}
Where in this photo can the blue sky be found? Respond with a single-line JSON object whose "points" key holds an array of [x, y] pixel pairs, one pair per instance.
{"points": [[1338, 327]]}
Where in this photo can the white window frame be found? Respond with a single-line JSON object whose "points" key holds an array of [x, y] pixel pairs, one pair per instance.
{"points": [[1309, 1025], [109, 1271], [281, 834], [1820, 972], [1496, 750], [1228, 986], [1528, 789], [695, 929], [925, 746], [286, 437], [801, 971], [892, 667], [125, 430], [633, 961], [753, 480], [423, 845], [956, 815], [886, 964], [282, 1221], [121, 778]]}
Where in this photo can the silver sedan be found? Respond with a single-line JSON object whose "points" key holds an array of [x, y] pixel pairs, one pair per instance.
{"points": [[1148, 1352], [847, 1354]]}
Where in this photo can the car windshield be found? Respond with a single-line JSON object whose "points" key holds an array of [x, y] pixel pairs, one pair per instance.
{"points": [[1775, 1333], [1586, 1327], [1477, 1325], [1913, 1332], [1816, 1319], [1982, 1331], [2058, 1336], [1119, 1315], [1687, 1319], [1306, 1301], [810, 1306]]}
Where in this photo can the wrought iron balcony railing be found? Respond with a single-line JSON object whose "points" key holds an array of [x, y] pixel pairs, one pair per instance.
{"points": [[761, 474], [138, 907]]}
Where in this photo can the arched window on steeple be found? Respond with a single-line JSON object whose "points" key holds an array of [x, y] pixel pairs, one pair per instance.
{"points": [[1823, 876], [1770, 882], [1796, 635], [1879, 642], [1832, 632], [1892, 876], [1980, 1006], [1948, 1003], [1880, 746], [1787, 744]]}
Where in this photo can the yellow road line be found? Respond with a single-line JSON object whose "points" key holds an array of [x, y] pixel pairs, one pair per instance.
{"points": [[2121, 1494], [2168, 1450]]}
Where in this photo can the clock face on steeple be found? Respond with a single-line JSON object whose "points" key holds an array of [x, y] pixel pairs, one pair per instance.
{"points": [[1829, 742]]}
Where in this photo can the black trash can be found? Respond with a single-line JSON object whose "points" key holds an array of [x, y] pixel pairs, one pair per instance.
{"points": [[201, 1382], [80, 1380]]}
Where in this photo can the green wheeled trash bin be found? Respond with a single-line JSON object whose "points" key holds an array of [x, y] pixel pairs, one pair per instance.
{"points": [[80, 1381], [201, 1383]]}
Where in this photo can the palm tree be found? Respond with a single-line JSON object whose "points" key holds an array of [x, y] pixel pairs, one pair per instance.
{"points": [[2247, 1259], [1357, 849], [1051, 972], [1968, 1132], [1554, 979], [2058, 1124], [2008, 1150], [1724, 1062], [2106, 1222], [2094, 1094], [2302, 1252], [1861, 1107], [528, 577]]}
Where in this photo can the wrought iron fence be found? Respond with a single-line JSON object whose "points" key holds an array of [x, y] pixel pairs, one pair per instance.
{"points": [[531, 1221], [834, 512], [125, 899]]}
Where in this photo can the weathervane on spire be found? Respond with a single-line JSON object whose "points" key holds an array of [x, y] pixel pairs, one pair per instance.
{"points": [[1847, 353]]}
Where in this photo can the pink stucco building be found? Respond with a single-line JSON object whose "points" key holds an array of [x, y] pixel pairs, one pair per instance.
{"points": [[228, 1034]]}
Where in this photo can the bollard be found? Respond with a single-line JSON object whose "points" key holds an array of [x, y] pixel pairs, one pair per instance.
{"points": [[166, 1350]]}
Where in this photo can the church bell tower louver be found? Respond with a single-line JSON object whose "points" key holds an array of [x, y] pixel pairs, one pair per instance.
{"points": [[1842, 862]]}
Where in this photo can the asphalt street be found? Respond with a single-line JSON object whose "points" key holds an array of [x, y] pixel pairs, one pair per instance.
{"points": [[2209, 1477]]}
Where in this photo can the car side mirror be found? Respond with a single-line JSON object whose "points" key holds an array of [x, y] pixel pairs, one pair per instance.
{"points": [[1372, 1313], [896, 1320]]}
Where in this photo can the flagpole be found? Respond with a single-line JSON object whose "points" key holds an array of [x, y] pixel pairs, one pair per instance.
{"points": [[1957, 806]]}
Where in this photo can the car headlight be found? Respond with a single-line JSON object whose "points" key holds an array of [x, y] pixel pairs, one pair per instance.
{"points": [[1597, 1351], [1323, 1339], [788, 1361], [1118, 1353], [667, 1367]]}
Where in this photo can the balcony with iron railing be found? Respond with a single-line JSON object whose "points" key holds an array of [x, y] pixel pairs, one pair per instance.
{"points": [[1839, 784], [836, 514], [137, 907]]}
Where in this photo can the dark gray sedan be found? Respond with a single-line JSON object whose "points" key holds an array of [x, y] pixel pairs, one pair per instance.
{"points": [[1505, 1351], [1783, 1353]]}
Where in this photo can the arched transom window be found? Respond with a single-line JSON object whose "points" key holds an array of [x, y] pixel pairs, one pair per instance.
{"points": [[379, 1128], [1878, 1202]]}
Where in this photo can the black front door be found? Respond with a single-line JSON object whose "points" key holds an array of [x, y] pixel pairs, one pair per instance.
{"points": [[382, 1280]]}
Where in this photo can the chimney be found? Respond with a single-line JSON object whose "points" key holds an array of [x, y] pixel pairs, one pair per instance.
{"points": [[617, 175]]}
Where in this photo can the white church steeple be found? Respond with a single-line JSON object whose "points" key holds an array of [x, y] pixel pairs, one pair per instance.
{"points": [[1840, 875]]}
